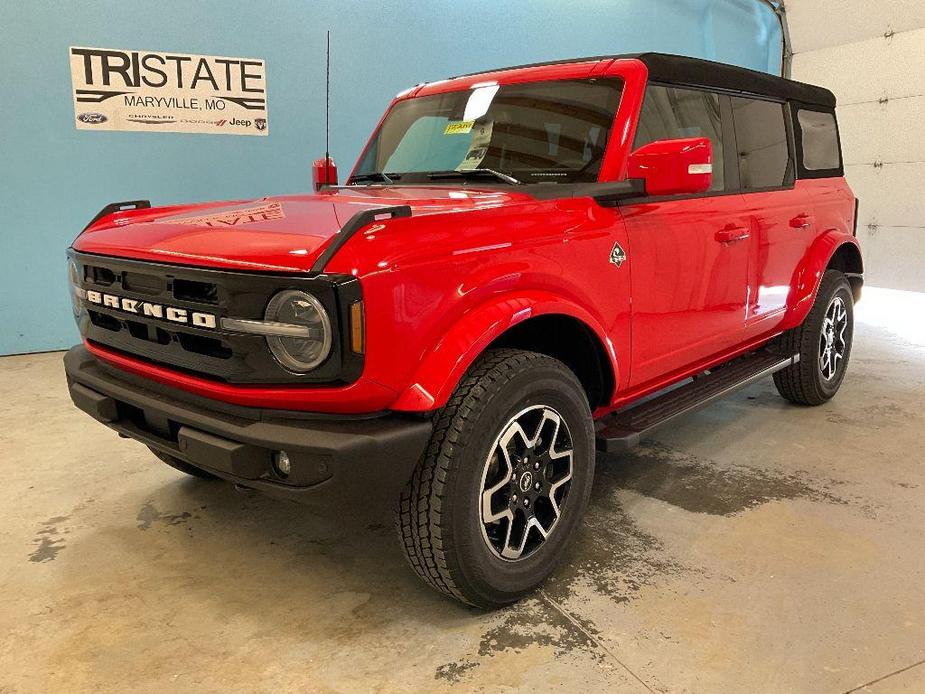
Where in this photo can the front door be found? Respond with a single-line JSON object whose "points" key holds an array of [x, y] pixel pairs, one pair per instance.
{"points": [[688, 255], [689, 263]]}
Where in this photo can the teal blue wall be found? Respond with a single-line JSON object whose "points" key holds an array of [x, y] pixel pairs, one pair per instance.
{"points": [[54, 178]]}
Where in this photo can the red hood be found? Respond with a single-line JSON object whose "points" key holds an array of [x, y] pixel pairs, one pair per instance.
{"points": [[285, 233]]}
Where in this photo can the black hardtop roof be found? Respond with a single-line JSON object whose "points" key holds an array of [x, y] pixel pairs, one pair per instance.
{"points": [[696, 72]]}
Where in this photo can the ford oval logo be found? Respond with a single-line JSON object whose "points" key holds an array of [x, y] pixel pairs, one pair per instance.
{"points": [[92, 118]]}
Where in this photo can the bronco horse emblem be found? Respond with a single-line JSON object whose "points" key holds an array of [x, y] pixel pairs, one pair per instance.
{"points": [[617, 255]]}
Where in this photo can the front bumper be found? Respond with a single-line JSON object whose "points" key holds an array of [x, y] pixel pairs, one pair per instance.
{"points": [[334, 458]]}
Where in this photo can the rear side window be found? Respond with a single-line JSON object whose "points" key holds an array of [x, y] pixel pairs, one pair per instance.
{"points": [[819, 136], [762, 143], [669, 113]]}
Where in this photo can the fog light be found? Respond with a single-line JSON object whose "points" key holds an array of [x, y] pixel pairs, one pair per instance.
{"points": [[282, 464]]}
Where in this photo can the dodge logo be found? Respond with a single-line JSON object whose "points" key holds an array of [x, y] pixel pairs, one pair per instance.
{"points": [[143, 308]]}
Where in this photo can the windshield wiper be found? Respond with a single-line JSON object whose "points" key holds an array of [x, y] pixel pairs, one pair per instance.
{"points": [[475, 173], [375, 176]]}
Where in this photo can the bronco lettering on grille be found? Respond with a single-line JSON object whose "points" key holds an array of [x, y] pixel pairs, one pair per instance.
{"points": [[149, 310]]}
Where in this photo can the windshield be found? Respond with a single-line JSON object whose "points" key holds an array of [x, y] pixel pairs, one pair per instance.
{"points": [[534, 132]]}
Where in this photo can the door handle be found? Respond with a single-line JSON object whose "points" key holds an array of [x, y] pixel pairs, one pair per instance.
{"points": [[732, 233], [801, 221]]}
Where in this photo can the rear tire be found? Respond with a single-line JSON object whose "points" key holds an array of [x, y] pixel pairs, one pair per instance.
{"points": [[823, 342], [504, 481], [182, 466]]}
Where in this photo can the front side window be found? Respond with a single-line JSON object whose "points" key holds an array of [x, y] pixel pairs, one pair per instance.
{"points": [[671, 113], [761, 138], [819, 136], [534, 132]]}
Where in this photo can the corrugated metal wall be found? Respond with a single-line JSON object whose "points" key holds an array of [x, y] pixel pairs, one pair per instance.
{"points": [[872, 55]]}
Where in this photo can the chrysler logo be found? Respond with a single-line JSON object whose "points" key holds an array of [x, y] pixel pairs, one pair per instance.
{"points": [[143, 308]]}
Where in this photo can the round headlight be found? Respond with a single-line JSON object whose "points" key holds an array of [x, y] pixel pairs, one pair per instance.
{"points": [[303, 352]]}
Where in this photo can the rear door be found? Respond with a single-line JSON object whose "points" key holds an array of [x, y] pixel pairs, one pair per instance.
{"points": [[688, 255], [779, 215]]}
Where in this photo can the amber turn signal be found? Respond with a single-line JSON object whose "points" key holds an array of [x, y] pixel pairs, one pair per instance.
{"points": [[357, 328]]}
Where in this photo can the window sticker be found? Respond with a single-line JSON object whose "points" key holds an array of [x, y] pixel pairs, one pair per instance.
{"points": [[478, 148], [459, 127]]}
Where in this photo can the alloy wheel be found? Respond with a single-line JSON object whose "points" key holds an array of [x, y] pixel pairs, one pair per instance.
{"points": [[832, 344], [525, 482]]}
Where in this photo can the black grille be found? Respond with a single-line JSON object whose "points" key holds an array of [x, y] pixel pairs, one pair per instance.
{"points": [[105, 321], [191, 290], [141, 283], [101, 276], [212, 353]]}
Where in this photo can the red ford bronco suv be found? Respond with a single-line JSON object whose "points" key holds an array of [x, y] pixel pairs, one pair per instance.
{"points": [[525, 266]]}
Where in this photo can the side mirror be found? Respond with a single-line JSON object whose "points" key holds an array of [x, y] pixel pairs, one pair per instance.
{"points": [[674, 167], [324, 173]]}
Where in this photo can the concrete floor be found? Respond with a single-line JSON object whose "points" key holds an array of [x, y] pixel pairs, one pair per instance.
{"points": [[754, 547]]}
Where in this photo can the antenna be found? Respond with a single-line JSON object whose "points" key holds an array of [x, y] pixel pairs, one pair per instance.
{"points": [[327, 104]]}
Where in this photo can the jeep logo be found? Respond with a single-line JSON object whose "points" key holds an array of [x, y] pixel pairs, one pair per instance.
{"points": [[238, 121], [149, 310], [92, 118]]}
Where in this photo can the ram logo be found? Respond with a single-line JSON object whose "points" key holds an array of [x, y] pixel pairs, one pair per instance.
{"points": [[172, 314]]}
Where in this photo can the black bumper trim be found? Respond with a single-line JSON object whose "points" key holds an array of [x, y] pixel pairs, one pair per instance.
{"points": [[334, 461]]}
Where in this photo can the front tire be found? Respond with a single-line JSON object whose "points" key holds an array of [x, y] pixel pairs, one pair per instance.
{"points": [[823, 342], [504, 481]]}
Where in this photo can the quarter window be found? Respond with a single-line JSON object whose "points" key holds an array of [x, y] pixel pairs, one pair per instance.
{"points": [[761, 139], [819, 135], [670, 113]]}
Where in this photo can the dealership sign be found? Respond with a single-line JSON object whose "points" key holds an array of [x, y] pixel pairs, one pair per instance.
{"points": [[168, 92]]}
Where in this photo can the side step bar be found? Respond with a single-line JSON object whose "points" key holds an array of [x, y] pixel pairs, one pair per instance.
{"points": [[624, 429]]}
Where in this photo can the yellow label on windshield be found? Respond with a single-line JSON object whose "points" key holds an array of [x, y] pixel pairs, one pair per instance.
{"points": [[459, 127]]}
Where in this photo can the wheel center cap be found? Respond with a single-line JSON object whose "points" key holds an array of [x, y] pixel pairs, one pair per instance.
{"points": [[526, 481]]}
